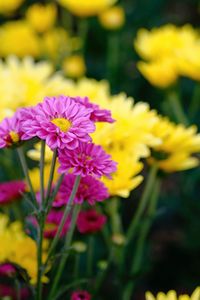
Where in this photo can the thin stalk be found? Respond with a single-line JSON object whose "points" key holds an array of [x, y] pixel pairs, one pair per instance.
{"points": [[68, 241], [90, 255], [76, 265], [55, 191], [26, 173], [52, 170], [142, 203], [42, 158], [195, 101], [177, 108], [142, 236], [64, 218], [83, 32], [113, 54]]}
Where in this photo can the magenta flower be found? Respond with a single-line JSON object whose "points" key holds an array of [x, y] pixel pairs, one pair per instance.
{"points": [[52, 222], [7, 270], [87, 159], [90, 221], [10, 291], [80, 295], [61, 121], [97, 114], [90, 190], [11, 191], [10, 131]]}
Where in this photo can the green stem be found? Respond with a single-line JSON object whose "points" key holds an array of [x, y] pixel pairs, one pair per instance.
{"points": [[76, 266], [113, 54], [176, 107], [42, 158], [26, 173], [54, 193], [90, 255], [68, 241], [52, 170], [142, 203], [64, 218], [142, 236], [83, 32], [195, 101]]}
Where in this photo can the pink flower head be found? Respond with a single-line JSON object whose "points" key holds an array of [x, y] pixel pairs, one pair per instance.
{"points": [[10, 291], [11, 190], [10, 131], [87, 159], [90, 221], [97, 114], [90, 190], [7, 270], [61, 121], [52, 222], [80, 295]]}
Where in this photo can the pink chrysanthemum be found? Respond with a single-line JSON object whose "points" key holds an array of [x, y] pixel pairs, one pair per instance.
{"points": [[80, 295], [7, 270], [90, 190], [61, 121], [87, 159], [10, 131], [97, 114], [9, 291], [11, 191], [52, 222], [90, 221]]}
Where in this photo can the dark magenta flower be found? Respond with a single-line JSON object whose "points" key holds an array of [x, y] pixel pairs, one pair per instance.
{"points": [[11, 191], [80, 295], [90, 221], [52, 222]]}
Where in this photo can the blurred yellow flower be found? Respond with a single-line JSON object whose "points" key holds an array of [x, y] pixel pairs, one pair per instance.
{"points": [[171, 295], [17, 37], [41, 17], [161, 73], [34, 154], [113, 18], [178, 145], [9, 6], [18, 248], [74, 66], [86, 8]]}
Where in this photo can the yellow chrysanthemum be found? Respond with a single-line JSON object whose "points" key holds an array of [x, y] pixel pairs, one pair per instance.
{"points": [[113, 18], [41, 17], [18, 38], [172, 295], [86, 8], [74, 66], [18, 248], [161, 73], [178, 145], [8, 6]]}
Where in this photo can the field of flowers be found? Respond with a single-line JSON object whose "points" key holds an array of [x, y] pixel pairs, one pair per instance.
{"points": [[99, 150]]}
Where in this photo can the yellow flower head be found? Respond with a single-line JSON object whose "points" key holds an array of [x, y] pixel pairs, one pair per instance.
{"points": [[41, 17], [74, 66], [178, 145], [171, 295], [86, 8], [9, 6], [113, 18], [17, 37], [161, 73], [18, 248]]}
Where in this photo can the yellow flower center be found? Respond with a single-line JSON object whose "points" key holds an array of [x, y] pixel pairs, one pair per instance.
{"points": [[14, 136], [62, 123]]}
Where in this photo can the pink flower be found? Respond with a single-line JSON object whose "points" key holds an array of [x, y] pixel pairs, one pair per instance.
{"points": [[90, 190], [90, 221], [80, 295], [10, 131], [52, 222], [11, 190], [97, 114], [87, 159], [10, 291], [7, 270], [61, 121]]}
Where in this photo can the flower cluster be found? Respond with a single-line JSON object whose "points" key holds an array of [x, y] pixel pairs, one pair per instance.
{"points": [[169, 52], [173, 295]]}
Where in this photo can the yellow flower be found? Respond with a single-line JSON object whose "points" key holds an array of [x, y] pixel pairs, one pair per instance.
{"points": [[34, 154], [178, 145], [113, 18], [74, 66], [86, 8], [41, 17], [18, 248], [171, 295], [17, 37], [161, 73], [8, 6]]}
